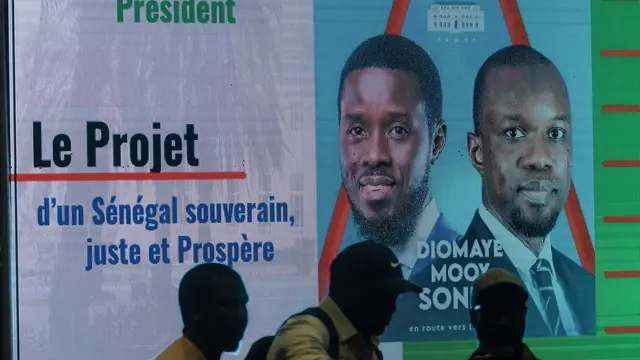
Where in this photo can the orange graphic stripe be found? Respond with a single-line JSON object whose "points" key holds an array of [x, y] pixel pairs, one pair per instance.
{"points": [[572, 208], [341, 210]]}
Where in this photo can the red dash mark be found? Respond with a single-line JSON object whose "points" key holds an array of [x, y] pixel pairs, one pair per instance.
{"points": [[620, 52], [620, 108], [621, 274], [130, 176], [621, 163], [621, 219], [341, 210], [572, 209], [617, 330]]}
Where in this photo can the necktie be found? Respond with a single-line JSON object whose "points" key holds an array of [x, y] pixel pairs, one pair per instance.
{"points": [[541, 273]]}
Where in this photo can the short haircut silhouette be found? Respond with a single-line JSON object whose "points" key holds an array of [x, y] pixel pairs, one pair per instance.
{"points": [[200, 284]]}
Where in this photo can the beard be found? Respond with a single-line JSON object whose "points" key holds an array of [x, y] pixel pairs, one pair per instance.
{"points": [[534, 227], [395, 229]]}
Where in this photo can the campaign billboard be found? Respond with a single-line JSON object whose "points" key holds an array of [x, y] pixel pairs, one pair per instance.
{"points": [[150, 136], [464, 148]]}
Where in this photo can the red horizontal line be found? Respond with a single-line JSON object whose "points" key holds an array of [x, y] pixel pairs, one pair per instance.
{"points": [[621, 219], [621, 163], [621, 108], [612, 330], [130, 176], [621, 274], [620, 52]]}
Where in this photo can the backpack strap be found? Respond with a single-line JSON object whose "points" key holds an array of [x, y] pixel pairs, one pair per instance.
{"points": [[334, 340], [378, 353]]}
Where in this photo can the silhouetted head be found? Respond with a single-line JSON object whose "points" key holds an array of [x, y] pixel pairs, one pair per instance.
{"points": [[521, 144], [213, 303], [499, 309], [366, 280], [391, 134]]}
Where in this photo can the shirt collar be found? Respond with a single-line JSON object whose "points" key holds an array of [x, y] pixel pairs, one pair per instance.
{"points": [[190, 350], [344, 327], [408, 255], [521, 257]]}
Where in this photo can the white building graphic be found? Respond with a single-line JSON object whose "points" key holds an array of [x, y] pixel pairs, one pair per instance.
{"points": [[455, 18]]}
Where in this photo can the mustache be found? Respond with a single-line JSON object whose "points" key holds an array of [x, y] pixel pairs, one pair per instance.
{"points": [[538, 184], [375, 171]]}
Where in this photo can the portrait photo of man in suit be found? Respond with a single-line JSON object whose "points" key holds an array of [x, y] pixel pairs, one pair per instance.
{"points": [[391, 134], [521, 147]]}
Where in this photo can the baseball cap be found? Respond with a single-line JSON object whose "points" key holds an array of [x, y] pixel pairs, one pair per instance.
{"points": [[496, 278], [371, 264]]}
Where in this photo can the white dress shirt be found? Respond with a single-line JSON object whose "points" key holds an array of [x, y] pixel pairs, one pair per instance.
{"points": [[523, 259], [408, 255]]}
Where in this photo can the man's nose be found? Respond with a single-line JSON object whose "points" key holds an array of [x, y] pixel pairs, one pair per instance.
{"points": [[378, 150], [538, 155]]}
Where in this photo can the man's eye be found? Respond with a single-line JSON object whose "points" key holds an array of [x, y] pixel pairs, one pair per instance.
{"points": [[399, 131], [356, 131], [514, 133], [557, 134]]}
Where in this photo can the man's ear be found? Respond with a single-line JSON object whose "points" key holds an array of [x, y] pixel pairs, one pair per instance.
{"points": [[439, 140], [474, 146]]}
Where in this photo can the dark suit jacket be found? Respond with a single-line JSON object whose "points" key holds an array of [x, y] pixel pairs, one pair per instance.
{"points": [[407, 304], [578, 284]]}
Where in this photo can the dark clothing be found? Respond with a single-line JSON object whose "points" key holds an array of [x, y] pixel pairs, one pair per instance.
{"points": [[578, 285], [407, 305], [453, 322], [524, 354], [260, 348]]}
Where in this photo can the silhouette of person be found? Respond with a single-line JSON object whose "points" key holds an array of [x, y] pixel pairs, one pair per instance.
{"points": [[213, 303], [366, 280], [498, 315]]}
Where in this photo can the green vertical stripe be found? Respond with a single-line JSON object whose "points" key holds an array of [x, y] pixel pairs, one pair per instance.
{"points": [[615, 26], [616, 81]]}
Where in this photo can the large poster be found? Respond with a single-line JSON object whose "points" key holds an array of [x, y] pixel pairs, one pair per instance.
{"points": [[463, 149], [148, 137]]}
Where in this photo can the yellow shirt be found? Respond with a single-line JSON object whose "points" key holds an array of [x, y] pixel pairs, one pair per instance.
{"points": [[305, 337], [181, 349]]}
